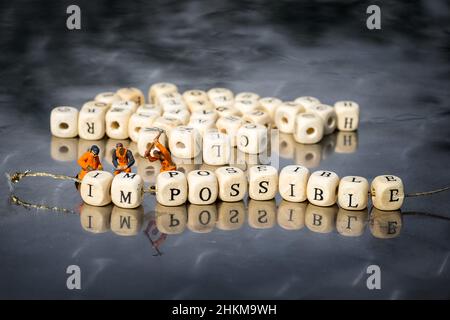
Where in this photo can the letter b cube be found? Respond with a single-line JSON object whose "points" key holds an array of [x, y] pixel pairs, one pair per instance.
{"points": [[322, 188]]}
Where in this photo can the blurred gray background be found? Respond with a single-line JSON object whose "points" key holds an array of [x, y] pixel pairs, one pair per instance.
{"points": [[399, 75]]}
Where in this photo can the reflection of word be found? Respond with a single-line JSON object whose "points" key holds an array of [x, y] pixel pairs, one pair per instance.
{"points": [[233, 216]]}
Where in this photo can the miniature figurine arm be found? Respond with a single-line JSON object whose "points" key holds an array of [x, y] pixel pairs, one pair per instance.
{"points": [[100, 166], [114, 159], [130, 159]]}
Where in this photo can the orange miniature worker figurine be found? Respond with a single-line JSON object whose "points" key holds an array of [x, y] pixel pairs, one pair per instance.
{"points": [[89, 161], [122, 159], [156, 151]]}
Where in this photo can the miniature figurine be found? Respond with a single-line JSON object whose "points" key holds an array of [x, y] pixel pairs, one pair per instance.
{"points": [[122, 159], [156, 151], [89, 161]]}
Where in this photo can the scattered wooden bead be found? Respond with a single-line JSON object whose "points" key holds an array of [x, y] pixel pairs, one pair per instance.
{"points": [[230, 125], [117, 120], [91, 120], [95, 188], [308, 128], [185, 142], [131, 94], [307, 101], [252, 138], [327, 114], [150, 109], [387, 192], [146, 136], [322, 188], [127, 190], [353, 193], [203, 187], [181, 115], [232, 183], [270, 105], [247, 96], [257, 117], [285, 116], [138, 121], [125, 104], [64, 122], [263, 182], [245, 105], [107, 97], [202, 125], [292, 183], [205, 114], [159, 88], [172, 188], [347, 115], [166, 123]]}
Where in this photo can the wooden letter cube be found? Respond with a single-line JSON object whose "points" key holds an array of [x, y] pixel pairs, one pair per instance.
{"points": [[252, 138], [91, 122], [232, 184], [125, 104], [159, 88], [230, 125], [246, 105], [166, 123], [307, 102], [247, 96], [203, 188], [263, 182], [150, 109], [202, 125], [258, 117], [181, 115], [387, 192], [216, 148], [147, 136], [185, 142], [117, 120], [285, 116], [353, 193], [270, 105], [95, 188], [347, 115], [308, 128], [137, 122], [220, 92], [292, 183], [107, 97], [132, 94], [171, 188], [64, 122], [328, 116], [322, 188], [127, 190]]}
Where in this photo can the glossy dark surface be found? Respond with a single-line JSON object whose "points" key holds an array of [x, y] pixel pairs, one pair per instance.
{"points": [[399, 75]]}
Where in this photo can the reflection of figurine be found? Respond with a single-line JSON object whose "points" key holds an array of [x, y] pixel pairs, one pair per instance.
{"points": [[157, 151], [89, 161], [122, 159]]}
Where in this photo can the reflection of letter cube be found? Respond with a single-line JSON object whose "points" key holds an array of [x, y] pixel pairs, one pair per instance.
{"points": [[347, 115], [351, 223], [127, 222], [230, 215], [308, 128], [353, 193], [95, 188], [63, 149], [64, 122], [387, 192], [202, 219], [203, 188], [346, 142], [262, 214], [95, 219], [185, 142], [252, 138], [171, 188], [322, 188], [291, 215], [292, 183], [147, 136], [286, 114], [263, 182], [385, 224], [320, 219], [216, 148], [171, 220], [117, 123], [127, 190], [232, 183]]}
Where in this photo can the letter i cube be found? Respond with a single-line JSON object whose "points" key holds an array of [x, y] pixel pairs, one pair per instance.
{"points": [[292, 183], [95, 188]]}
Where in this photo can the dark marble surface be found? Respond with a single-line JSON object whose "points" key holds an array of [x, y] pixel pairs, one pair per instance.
{"points": [[399, 75]]}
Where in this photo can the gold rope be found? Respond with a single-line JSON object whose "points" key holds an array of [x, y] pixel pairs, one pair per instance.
{"points": [[426, 193], [15, 200], [17, 176]]}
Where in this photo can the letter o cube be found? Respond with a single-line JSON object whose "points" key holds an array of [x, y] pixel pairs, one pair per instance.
{"points": [[322, 188], [64, 122], [95, 188], [127, 190], [252, 138], [203, 188], [387, 192], [263, 182], [232, 184], [172, 188], [185, 142]]}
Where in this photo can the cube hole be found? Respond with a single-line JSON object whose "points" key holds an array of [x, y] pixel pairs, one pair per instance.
{"points": [[180, 145], [310, 131], [63, 126], [115, 125]]}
